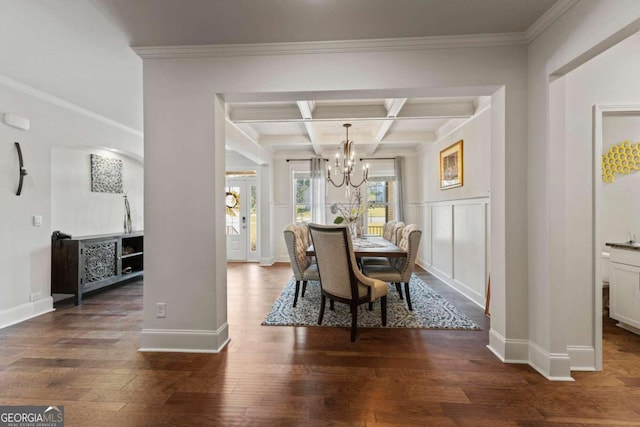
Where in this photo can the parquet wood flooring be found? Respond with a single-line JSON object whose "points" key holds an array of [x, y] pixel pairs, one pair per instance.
{"points": [[86, 359]]}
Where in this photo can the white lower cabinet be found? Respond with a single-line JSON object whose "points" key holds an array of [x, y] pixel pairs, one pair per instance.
{"points": [[625, 291]]}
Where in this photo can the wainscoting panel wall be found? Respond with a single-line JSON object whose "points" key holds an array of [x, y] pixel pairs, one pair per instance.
{"points": [[454, 246], [469, 250], [442, 239], [283, 215]]}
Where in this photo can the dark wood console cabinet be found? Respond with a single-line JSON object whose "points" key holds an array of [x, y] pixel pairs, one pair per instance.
{"points": [[84, 264]]}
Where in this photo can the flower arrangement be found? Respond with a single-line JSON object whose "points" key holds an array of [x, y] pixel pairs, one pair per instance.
{"points": [[351, 211]]}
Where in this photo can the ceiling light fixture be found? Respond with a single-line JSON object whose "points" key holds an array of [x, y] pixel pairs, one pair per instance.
{"points": [[348, 164]]}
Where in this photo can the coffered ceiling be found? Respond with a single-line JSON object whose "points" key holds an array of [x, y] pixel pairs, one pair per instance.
{"points": [[379, 125]]}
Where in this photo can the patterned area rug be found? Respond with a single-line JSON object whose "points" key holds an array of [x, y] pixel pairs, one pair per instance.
{"points": [[430, 310]]}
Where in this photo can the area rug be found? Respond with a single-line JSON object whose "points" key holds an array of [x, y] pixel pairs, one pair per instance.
{"points": [[430, 310]]}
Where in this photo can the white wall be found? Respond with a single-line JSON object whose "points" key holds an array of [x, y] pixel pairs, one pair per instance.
{"points": [[25, 252], [178, 96], [239, 163], [455, 238], [560, 182], [605, 79], [620, 200], [78, 211], [476, 134]]}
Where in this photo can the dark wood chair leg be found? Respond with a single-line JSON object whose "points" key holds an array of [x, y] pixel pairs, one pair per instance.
{"points": [[399, 289], [370, 306], [323, 302], [331, 306], [406, 291], [304, 287], [383, 308], [295, 298], [354, 322]]}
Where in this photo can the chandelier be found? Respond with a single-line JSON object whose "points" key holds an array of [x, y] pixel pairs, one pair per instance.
{"points": [[348, 164]]}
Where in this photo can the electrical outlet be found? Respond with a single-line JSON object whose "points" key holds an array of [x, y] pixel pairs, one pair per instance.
{"points": [[161, 309], [35, 296]]}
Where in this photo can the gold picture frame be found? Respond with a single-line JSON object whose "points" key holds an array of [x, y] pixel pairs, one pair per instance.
{"points": [[451, 166]]}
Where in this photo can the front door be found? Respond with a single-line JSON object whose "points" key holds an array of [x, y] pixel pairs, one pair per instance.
{"points": [[241, 219]]}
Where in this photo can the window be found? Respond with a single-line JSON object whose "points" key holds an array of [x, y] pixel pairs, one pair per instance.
{"points": [[380, 196], [301, 196]]}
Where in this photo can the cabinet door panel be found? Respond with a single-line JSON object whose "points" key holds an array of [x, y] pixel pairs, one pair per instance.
{"points": [[625, 294], [99, 260]]}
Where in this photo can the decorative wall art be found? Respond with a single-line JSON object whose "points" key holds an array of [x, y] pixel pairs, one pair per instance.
{"points": [[451, 167], [106, 174], [621, 159]]}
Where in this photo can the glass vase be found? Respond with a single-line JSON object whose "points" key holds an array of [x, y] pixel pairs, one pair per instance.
{"points": [[353, 229]]}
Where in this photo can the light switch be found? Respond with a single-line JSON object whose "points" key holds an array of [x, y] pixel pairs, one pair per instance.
{"points": [[37, 220]]}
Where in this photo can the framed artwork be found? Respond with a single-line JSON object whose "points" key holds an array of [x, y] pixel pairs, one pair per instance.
{"points": [[106, 174], [451, 170]]}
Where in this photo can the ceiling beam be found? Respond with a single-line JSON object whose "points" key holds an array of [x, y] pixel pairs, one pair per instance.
{"points": [[268, 114], [237, 140], [393, 106], [271, 140], [344, 113], [306, 110], [329, 142], [438, 111]]}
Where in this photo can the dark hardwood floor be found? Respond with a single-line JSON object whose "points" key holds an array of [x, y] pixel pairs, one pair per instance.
{"points": [[86, 359]]}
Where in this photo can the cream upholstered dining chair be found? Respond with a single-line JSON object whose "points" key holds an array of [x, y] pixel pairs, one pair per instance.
{"points": [[386, 229], [296, 236], [399, 270], [392, 230], [340, 279]]}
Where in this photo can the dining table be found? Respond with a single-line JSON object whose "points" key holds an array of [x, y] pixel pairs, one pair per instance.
{"points": [[371, 246]]}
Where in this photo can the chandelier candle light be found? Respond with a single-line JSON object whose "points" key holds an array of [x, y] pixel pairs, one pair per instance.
{"points": [[348, 164]]}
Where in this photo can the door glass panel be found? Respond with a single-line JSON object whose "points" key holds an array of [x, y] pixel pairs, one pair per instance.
{"points": [[232, 202], [253, 219]]}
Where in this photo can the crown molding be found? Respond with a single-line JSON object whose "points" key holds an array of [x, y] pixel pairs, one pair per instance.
{"points": [[338, 46], [44, 96], [548, 18]]}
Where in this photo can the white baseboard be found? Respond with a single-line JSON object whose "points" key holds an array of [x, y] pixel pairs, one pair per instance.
{"points": [[583, 358], [184, 341], [460, 287], [553, 366], [283, 258], [23, 312], [508, 350], [266, 262]]}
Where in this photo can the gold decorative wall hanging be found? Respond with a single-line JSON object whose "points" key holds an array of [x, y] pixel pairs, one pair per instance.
{"points": [[621, 159]]}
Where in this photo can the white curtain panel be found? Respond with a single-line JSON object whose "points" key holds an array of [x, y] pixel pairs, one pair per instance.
{"points": [[318, 190], [398, 166]]}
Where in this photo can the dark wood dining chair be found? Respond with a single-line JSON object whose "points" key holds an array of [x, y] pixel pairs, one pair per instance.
{"points": [[340, 279]]}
